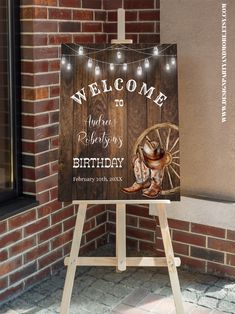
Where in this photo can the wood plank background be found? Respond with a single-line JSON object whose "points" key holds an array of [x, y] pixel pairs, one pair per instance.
{"points": [[128, 122]]}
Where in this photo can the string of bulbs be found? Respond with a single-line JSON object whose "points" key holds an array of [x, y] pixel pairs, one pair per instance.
{"points": [[143, 63]]}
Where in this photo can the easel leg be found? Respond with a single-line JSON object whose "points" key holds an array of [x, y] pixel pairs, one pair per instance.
{"points": [[69, 280], [121, 236], [170, 259]]}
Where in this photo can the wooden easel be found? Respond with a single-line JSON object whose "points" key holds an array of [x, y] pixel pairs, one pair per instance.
{"points": [[120, 260], [156, 207]]}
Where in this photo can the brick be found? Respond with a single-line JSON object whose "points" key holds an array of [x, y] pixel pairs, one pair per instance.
{"points": [[46, 79], [43, 198], [86, 249], [54, 193], [35, 147], [71, 27], [112, 5], [33, 13], [83, 38], [50, 233], [92, 4], [37, 26], [29, 187], [89, 225], [40, 2], [34, 67], [193, 264], [149, 15], [54, 117], [22, 246], [3, 283], [35, 94], [138, 4], [10, 292], [10, 265], [89, 27], [221, 270], [33, 39], [230, 260], [231, 235], [139, 27], [22, 273], [3, 227], [147, 224], [131, 221], [110, 27], [62, 214], [60, 14], [47, 183], [54, 91], [69, 223], [40, 106], [180, 248], [50, 258], [147, 247], [70, 3], [40, 132], [44, 158], [221, 245], [22, 219], [59, 39], [208, 230], [82, 15], [100, 38], [54, 65], [149, 38], [206, 254], [137, 211], [100, 15], [185, 237], [94, 210], [36, 226], [28, 160], [95, 233], [62, 239], [178, 224], [38, 277], [140, 234], [3, 255], [100, 219], [34, 121]]}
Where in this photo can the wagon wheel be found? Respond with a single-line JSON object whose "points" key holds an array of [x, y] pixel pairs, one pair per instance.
{"points": [[167, 134]]}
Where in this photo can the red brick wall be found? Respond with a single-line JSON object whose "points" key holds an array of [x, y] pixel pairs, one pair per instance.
{"points": [[202, 248]]}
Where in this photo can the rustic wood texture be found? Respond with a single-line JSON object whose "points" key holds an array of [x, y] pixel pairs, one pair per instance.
{"points": [[127, 122]]}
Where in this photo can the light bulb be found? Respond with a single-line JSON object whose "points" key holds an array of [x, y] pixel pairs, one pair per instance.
{"points": [[97, 70], [80, 50], [124, 66], [139, 70], [155, 51], [111, 66], [146, 63], [63, 60], [173, 61], [168, 67], [69, 66], [89, 63], [119, 55]]}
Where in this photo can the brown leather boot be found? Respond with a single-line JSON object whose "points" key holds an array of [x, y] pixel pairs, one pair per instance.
{"points": [[137, 187], [153, 190]]}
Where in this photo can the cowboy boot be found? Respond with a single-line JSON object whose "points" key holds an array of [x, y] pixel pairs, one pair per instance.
{"points": [[137, 187], [153, 190]]}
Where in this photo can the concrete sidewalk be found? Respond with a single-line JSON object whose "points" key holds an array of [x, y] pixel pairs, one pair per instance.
{"points": [[135, 291]]}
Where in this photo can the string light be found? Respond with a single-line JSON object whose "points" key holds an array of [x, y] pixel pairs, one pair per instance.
{"points": [[146, 63], [89, 63], [97, 70], [111, 66], [173, 61], [139, 70], [63, 60], [155, 51], [80, 50], [124, 66], [69, 66], [168, 67], [119, 55]]}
